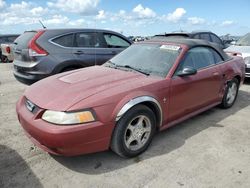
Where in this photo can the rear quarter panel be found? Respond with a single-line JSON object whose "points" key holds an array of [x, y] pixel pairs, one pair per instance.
{"points": [[232, 68]]}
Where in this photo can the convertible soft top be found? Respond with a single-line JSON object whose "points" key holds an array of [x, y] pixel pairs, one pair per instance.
{"points": [[192, 43]]}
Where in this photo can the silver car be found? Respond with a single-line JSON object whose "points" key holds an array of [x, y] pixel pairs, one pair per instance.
{"points": [[242, 46]]}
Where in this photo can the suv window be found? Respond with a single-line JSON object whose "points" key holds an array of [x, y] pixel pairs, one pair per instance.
{"points": [[23, 40], [88, 40], [114, 41], [215, 39], [205, 36], [197, 36], [198, 58], [65, 40]]}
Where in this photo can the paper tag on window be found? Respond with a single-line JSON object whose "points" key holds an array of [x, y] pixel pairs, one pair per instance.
{"points": [[170, 47]]}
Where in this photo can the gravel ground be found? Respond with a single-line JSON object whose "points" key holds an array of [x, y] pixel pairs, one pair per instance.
{"points": [[209, 150]]}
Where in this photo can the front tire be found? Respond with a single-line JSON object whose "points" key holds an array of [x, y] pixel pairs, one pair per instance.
{"points": [[134, 132], [231, 93]]}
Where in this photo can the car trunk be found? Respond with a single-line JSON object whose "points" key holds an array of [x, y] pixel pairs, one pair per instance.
{"points": [[21, 51]]}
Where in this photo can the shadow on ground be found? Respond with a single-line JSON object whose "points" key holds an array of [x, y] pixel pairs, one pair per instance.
{"points": [[163, 143], [14, 171]]}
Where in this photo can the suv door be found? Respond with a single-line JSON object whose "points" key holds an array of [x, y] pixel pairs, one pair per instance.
{"points": [[191, 93], [115, 44], [89, 48]]}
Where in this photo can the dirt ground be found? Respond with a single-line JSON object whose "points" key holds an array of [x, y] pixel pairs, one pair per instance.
{"points": [[209, 150]]}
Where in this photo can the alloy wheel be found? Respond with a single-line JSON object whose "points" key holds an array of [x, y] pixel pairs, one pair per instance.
{"points": [[137, 133], [232, 92]]}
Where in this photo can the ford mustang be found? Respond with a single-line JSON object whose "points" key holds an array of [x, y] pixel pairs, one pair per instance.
{"points": [[121, 105]]}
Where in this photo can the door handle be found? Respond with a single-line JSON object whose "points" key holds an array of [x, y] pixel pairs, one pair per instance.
{"points": [[79, 52]]}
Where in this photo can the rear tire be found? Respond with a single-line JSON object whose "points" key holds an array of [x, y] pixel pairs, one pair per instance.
{"points": [[231, 93], [4, 59], [134, 132]]}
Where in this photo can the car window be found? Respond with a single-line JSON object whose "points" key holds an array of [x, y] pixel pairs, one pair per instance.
{"points": [[11, 38], [154, 59], [198, 58], [23, 40], [197, 36], [3, 40], [217, 57], [244, 41], [88, 40], [215, 39], [205, 36], [65, 40], [114, 41]]}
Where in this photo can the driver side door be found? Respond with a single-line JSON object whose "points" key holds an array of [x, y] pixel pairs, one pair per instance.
{"points": [[190, 93]]}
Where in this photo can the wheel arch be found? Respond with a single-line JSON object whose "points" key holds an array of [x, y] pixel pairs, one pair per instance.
{"points": [[238, 78], [67, 64], [148, 101]]}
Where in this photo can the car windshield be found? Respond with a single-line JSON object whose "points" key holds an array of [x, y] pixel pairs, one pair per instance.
{"points": [[149, 59], [244, 41]]}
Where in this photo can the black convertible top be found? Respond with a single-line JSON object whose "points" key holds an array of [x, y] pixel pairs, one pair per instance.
{"points": [[191, 43]]}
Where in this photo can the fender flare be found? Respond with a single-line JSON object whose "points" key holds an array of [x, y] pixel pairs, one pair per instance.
{"points": [[136, 101]]}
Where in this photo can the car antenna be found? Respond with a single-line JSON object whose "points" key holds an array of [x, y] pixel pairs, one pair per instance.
{"points": [[180, 28], [42, 24]]}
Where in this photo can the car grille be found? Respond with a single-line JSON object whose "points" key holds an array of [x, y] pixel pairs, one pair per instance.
{"points": [[247, 70]]}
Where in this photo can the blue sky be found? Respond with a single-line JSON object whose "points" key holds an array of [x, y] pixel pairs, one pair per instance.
{"points": [[130, 17]]}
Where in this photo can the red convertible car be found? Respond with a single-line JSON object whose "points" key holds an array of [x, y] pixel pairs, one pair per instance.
{"points": [[120, 105]]}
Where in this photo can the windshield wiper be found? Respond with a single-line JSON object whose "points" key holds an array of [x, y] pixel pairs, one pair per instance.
{"points": [[113, 65], [135, 69]]}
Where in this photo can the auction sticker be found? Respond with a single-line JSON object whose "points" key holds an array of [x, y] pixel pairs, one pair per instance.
{"points": [[170, 47]]}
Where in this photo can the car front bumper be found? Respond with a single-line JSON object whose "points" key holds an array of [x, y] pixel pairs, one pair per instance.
{"points": [[63, 140]]}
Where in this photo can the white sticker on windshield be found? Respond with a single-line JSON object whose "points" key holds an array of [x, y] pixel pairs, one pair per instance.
{"points": [[169, 47]]}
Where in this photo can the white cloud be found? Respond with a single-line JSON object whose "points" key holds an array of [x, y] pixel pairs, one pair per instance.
{"points": [[196, 20], [56, 20], [20, 8], [24, 13], [122, 12], [228, 23], [78, 22], [101, 15], [25, 9], [39, 11], [176, 15], [144, 12], [13, 20], [2, 3], [85, 7]]}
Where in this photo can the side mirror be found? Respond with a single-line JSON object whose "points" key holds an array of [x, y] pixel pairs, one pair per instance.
{"points": [[187, 71]]}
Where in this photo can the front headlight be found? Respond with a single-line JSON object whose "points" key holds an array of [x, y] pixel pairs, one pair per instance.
{"points": [[68, 118], [247, 60]]}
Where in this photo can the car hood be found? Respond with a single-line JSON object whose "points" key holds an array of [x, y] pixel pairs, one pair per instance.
{"points": [[62, 91], [244, 50]]}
